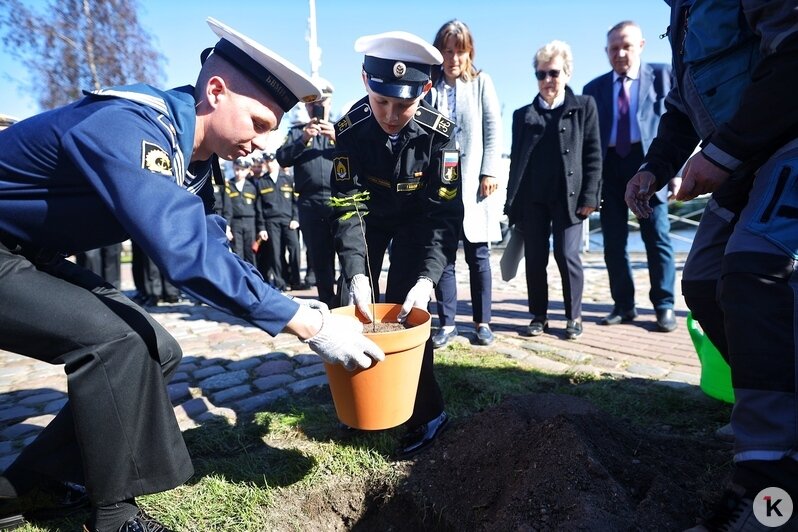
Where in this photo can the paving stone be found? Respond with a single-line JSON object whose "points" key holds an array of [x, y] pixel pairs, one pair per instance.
{"points": [[312, 382], [250, 404], [309, 371], [545, 364], [178, 391], [246, 363], [55, 406], [40, 398], [208, 371], [306, 360], [20, 430], [180, 376], [272, 381], [229, 394], [224, 380], [274, 367], [648, 370], [16, 412]]}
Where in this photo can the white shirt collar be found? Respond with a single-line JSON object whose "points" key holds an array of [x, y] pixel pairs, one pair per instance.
{"points": [[631, 74], [555, 104]]}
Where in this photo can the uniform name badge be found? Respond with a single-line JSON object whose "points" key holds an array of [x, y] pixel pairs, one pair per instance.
{"points": [[449, 164]]}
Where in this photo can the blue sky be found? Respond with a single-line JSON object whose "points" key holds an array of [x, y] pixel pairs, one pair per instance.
{"points": [[507, 33]]}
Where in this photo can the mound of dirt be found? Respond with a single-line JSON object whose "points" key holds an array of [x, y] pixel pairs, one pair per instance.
{"points": [[544, 461]]}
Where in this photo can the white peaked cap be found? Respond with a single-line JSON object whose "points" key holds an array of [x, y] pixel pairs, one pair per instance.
{"points": [[399, 46], [283, 80]]}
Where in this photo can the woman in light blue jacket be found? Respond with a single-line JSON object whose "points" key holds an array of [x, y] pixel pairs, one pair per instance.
{"points": [[466, 95]]}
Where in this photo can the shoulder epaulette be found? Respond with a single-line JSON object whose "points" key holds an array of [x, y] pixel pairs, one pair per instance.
{"points": [[435, 121], [356, 115]]}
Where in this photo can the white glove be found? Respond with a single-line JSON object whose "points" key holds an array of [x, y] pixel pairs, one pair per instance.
{"points": [[340, 341], [418, 296], [360, 294], [312, 303]]}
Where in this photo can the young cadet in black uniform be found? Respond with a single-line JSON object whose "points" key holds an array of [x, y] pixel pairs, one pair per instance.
{"points": [[402, 151], [135, 162], [278, 225], [242, 195]]}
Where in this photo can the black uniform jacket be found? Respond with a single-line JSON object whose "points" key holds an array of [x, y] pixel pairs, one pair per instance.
{"points": [[276, 200], [415, 190]]}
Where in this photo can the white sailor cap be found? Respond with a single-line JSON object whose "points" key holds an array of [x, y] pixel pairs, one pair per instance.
{"points": [[242, 162], [326, 87], [284, 81], [397, 63]]}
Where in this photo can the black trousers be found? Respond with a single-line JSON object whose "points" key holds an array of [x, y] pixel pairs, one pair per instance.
{"points": [[147, 278], [540, 222], [282, 241], [406, 257], [117, 433], [243, 237], [105, 262], [314, 221]]}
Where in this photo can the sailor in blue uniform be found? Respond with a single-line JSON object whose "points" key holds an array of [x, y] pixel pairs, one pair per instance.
{"points": [[136, 162]]}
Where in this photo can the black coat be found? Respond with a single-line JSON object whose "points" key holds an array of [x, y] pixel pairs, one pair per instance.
{"points": [[580, 148]]}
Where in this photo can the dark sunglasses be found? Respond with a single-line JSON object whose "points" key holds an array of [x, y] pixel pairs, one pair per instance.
{"points": [[541, 74]]}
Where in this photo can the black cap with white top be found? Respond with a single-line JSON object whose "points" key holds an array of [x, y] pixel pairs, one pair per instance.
{"points": [[397, 63]]}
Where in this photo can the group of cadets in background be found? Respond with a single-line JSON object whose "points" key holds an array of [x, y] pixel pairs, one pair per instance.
{"points": [[260, 207]]}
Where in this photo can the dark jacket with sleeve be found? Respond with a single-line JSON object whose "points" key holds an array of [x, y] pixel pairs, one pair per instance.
{"points": [[416, 190], [312, 162], [730, 58], [580, 149]]}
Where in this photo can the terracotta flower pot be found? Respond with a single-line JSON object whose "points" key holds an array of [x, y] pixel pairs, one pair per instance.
{"points": [[382, 396]]}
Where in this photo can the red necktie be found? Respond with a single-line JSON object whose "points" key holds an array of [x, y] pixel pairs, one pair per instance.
{"points": [[623, 142]]}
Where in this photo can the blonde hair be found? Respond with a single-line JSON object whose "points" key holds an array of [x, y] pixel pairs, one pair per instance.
{"points": [[553, 49], [463, 41]]}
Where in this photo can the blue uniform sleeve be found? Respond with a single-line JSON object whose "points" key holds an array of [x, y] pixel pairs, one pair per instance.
{"points": [[124, 156]]}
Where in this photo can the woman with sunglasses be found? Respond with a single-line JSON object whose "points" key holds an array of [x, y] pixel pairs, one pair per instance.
{"points": [[554, 183]]}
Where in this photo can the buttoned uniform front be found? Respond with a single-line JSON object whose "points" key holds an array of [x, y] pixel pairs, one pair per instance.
{"points": [[276, 209], [653, 84], [415, 206], [312, 164], [240, 214], [118, 158]]}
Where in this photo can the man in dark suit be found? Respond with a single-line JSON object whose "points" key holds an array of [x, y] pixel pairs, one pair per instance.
{"points": [[630, 101]]}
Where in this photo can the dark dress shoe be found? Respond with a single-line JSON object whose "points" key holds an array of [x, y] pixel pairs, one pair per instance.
{"points": [[484, 335], [536, 327], [141, 522], [441, 337], [666, 320], [573, 329], [618, 316], [419, 438]]}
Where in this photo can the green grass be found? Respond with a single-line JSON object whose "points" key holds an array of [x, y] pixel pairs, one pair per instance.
{"points": [[252, 476]]}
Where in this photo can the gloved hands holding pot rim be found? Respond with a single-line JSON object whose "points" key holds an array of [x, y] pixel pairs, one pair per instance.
{"points": [[336, 339], [418, 296]]}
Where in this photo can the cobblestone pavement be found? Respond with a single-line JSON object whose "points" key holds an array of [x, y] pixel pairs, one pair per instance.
{"points": [[231, 368]]}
